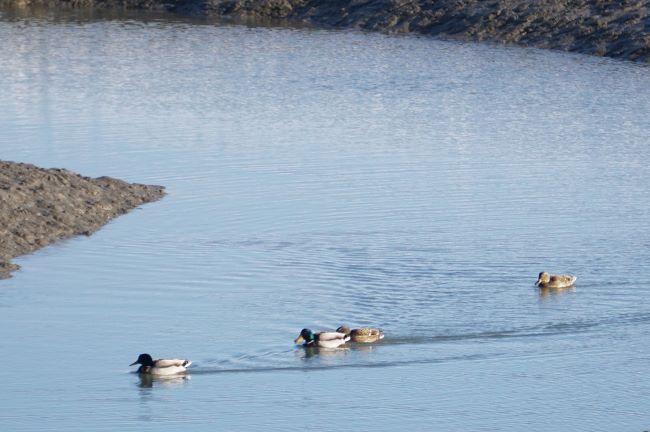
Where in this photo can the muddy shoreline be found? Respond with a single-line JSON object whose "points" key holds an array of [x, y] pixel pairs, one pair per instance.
{"points": [[619, 29], [40, 206]]}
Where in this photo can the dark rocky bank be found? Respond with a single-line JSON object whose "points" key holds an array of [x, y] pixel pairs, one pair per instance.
{"points": [[618, 29], [40, 206]]}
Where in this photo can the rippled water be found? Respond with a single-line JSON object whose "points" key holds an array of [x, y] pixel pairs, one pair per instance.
{"points": [[318, 178]]}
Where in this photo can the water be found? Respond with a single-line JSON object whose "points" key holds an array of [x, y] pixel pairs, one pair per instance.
{"points": [[316, 178]]}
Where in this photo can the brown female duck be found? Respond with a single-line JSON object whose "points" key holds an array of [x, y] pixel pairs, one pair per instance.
{"points": [[545, 280], [362, 335]]}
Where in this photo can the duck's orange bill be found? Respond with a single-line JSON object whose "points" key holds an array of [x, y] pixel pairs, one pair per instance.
{"points": [[299, 339]]}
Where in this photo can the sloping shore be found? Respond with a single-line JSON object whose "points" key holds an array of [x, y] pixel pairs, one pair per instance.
{"points": [[619, 29], [40, 206]]}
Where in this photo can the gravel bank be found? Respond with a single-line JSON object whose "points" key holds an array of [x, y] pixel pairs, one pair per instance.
{"points": [[619, 29], [40, 206]]}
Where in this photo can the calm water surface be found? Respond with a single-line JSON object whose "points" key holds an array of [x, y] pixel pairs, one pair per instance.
{"points": [[318, 178]]}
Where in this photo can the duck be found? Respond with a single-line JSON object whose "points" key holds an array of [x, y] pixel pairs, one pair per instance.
{"points": [[160, 366], [362, 335], [545, 280], [323, 339]]}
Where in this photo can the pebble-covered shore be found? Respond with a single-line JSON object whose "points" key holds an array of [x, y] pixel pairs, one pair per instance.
{"points": [[40, 206], [619, 29]]}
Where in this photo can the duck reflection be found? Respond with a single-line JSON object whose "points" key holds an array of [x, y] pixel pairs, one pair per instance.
{"points": [[314, 351], [546, 292], [330, 356], [148, 381]]}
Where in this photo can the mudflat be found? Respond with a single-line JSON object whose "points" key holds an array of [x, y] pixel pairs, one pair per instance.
{"points": [[619, 29], [39, 206]]}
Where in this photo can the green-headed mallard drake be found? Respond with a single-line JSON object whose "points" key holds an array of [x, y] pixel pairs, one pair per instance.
{"points": [[545, 280], [324, 339], [160, 366], [362, 335]]}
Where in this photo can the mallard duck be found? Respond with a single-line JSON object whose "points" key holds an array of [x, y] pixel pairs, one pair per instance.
{"points": [[322, 339], [160, 366], [545, 280], [362, 335]]}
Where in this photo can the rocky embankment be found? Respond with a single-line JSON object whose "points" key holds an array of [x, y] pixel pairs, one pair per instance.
{"points": [[40, 206], [618, 29]]}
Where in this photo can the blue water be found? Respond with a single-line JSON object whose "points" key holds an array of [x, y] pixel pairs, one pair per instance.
{"points": [[316, 178]]}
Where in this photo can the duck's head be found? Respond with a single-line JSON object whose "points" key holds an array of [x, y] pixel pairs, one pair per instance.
{"points": [[305, 335], [543, 278], [144, 360], [344, 329]]}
